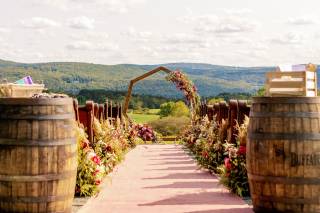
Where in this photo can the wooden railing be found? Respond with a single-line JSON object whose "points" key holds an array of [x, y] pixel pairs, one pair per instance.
{"points": [[232, 112], [85, 114]]}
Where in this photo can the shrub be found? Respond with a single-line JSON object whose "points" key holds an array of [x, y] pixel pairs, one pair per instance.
{"points": [[170, 125]]}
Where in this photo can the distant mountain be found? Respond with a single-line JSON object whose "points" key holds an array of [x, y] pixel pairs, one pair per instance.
{"points": [[72, 77]]}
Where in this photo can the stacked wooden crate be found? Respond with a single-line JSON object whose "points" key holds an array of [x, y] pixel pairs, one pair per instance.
{"points": [[301, 82]]}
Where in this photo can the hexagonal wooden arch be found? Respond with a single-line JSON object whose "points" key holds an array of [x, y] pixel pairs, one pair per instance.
{"points": [[133, 81]]}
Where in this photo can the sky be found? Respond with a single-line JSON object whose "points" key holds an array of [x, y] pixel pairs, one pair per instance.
{"points": [[229, 32]]}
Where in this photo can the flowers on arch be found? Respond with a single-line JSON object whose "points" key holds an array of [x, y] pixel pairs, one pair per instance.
{"points": [[184, 84]]}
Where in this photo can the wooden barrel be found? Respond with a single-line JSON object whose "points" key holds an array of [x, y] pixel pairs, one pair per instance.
{"points": [[38, 159], [283, 154]]}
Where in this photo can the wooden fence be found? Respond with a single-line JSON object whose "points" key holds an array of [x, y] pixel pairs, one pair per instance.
{"points": [[232, 112], [86, 114]]}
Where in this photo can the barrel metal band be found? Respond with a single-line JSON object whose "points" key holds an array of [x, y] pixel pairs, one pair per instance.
{"points": [[286, 100], [37, 117], [36, 101], [285, 114], [284, 136], [57, 142], [284, 180], [257, 209], [286, 200], [44, 199], [37, 178], [10, 210]]}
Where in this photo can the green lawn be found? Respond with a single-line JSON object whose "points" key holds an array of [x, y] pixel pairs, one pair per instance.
{"points": [[143, 118], [154, 111]]}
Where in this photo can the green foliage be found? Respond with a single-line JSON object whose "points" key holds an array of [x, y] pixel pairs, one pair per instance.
{"points": [[180, 109], [175, 109], [137, 102], [166, 109], [261, 91], [214, 100], [69, 77], [170, 125]]}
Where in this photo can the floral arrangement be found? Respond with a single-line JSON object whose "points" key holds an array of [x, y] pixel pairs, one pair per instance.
{"points": [[90, 170], [208, 142], [233, 171], [145, 132], [97, 159], [204, 141], [184, 84]]}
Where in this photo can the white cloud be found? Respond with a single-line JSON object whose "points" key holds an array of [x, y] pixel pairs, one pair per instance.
{"points": [[79, 45], [227, 25], [289, 38], [81, 22], [115, 6], [90, 35], [39, 23], [239, 12], [302, 20], [4, 30], [92, 46], [143, 36], [186, 39]]}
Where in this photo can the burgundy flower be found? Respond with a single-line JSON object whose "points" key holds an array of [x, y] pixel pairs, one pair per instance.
{"points": [[227, 163], [96, 172], [242, 150]]}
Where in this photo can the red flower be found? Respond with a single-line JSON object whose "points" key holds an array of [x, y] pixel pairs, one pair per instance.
{"points": [[96, 172], [205, 154], [84, 144], [96, 159], [108, 149], [97, 182], [227, 163], [242, 150]]}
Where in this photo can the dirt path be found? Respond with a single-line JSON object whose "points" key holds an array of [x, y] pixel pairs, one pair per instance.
{"points": [[163, 178]]}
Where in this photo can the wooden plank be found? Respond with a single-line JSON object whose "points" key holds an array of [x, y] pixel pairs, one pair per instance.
{"points": [[286, 84]]}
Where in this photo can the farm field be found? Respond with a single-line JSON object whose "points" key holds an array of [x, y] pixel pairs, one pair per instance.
{"points": [[142, 118]]}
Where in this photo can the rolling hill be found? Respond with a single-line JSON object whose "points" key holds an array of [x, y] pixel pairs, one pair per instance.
{"points": [[72, 77]]}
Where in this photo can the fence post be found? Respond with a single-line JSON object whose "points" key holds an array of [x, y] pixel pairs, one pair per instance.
{"points": [[101, 112], [76, 110], [244, 110], [223, 111], [96, 110], [232, 120]]}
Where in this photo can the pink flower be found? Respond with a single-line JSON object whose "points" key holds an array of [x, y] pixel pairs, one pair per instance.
{"points": [[227, 163], [96, 159], [242, 150]]}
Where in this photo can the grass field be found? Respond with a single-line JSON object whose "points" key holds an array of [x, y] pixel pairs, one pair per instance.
{"points": [[143, 118]]}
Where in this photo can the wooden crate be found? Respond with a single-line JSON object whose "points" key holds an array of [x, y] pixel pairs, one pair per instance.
{"points": [[20, 90], [302, 83]]}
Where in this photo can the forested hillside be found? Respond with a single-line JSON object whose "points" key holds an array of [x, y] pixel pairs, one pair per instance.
{"points": [[72, 77]]}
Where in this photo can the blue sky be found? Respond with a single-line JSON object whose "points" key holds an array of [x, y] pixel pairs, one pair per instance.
{"points": [[229, 32]]}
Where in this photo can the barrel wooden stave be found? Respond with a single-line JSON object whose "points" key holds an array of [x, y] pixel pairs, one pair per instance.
{"points": [[277, 182], [38, 158]]}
